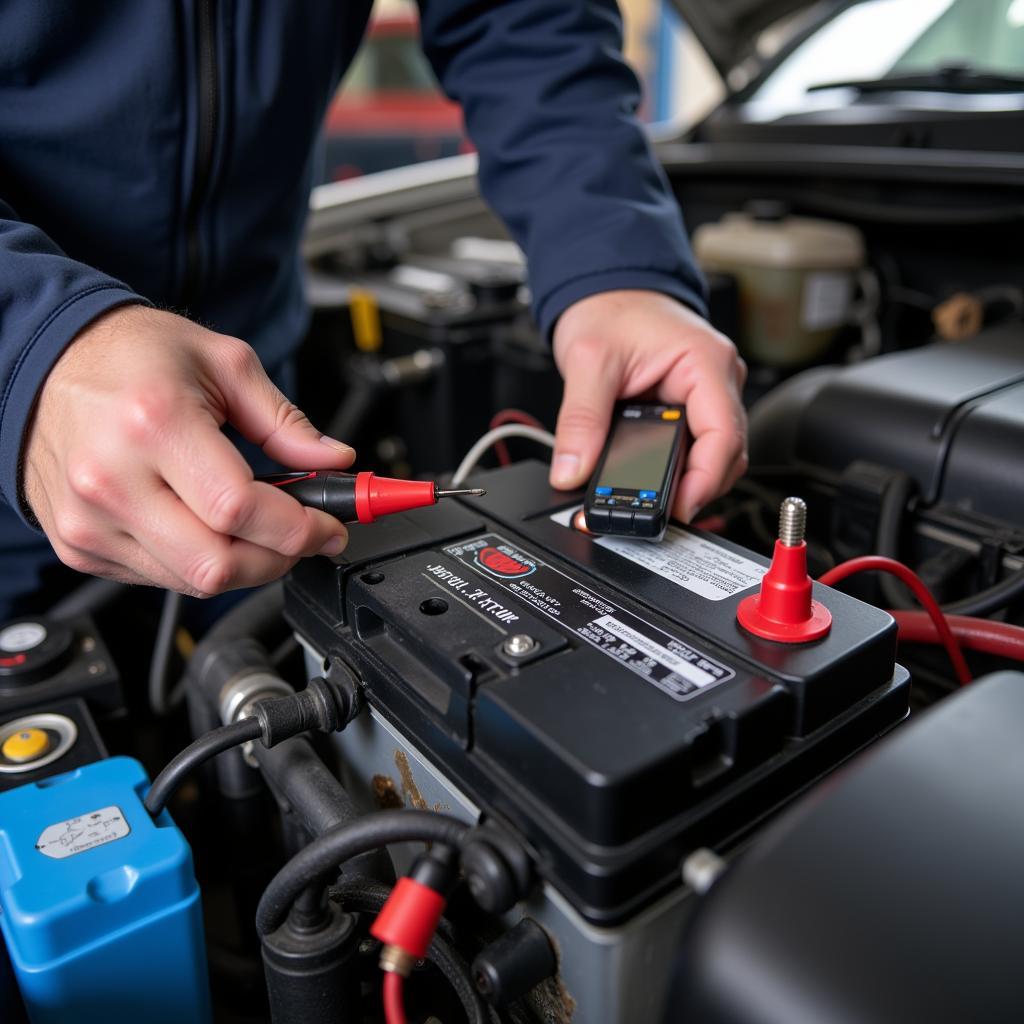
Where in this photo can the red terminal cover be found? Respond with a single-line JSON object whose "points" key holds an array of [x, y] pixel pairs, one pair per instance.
{"points": [[784, 610], [382, 495], [409, 917]]}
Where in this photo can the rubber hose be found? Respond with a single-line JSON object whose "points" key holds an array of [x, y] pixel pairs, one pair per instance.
{"points": [[324, 854]]}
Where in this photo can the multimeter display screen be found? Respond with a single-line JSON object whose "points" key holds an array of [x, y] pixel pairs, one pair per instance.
{"points": [[638, 455]]}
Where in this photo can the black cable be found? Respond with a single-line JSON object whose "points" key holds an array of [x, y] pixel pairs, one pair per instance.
{"points": [[163, 650], [284, 650], [994, 599], [195, 754], [87, 599], [362, 896], [891, 512], [887, 542], [318, 861]]}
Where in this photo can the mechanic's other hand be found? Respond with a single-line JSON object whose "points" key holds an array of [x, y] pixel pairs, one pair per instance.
{"points": [[130, 477], [640, 344]]}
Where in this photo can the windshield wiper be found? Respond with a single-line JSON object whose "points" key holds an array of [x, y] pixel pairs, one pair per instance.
{"points": [[958, 78]]}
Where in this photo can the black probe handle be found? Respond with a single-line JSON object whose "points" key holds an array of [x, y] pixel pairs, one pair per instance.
{"points": [[330, 491]]}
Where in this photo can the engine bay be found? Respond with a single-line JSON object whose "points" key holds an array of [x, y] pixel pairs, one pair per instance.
{"points": [[567, 746]]}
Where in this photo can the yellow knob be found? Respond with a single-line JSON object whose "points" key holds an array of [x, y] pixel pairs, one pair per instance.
{"points": [[26, 745], [671, 414]]}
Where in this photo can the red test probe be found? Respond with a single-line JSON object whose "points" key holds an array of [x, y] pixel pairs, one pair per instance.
{"points": [[361, 497]]}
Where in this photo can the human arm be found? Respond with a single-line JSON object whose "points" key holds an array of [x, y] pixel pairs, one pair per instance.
{"points": [[109, 431], [550, 105]]}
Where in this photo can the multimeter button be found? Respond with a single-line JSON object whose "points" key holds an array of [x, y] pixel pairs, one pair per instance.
{"points": [[604, 491], [597, 519], [647, 504], [671, 414], [648, 495], [635, 503], [26, 745], [645, 525], [622, 519], [611, 501]]}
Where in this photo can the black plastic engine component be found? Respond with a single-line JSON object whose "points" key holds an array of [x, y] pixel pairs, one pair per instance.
{"points": [[311, 973], [467, 327], [69, 740], [888, 896], [596, 696], [949, 415], [44, 659], [514, 963]]}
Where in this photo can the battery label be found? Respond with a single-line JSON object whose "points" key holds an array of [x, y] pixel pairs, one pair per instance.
{"points": [[673, 666], [470, 592], [86, 832], [700, 566]]}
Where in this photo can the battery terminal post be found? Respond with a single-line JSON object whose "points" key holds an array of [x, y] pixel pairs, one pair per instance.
{"points": [[784, 610]]}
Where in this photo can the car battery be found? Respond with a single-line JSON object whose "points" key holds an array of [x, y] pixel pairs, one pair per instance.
{"points": [[98, 902], [594, 695], [456, 316]]}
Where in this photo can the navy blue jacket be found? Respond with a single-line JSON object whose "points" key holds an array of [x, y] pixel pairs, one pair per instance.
{"points": [[162, 149]]}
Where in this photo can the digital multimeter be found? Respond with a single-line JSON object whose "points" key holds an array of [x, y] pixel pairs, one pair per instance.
{"points": [[631, 492]]}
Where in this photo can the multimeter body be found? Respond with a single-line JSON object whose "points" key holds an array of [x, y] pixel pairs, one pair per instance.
{"points": [[631, 492]]}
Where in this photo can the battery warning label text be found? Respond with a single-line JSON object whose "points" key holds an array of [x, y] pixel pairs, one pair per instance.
{"points": [[673, 666]]}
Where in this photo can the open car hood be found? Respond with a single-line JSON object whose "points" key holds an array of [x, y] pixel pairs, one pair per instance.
{"points": [[728, 29]]}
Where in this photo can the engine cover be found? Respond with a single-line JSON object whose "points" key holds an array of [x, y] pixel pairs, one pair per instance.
{"points": [[949, 415]]}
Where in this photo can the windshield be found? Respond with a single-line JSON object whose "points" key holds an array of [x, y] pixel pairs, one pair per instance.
{"points": [[876, 38]]}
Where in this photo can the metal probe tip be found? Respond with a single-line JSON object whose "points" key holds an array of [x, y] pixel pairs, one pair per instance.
{"points": [[469, 492]]}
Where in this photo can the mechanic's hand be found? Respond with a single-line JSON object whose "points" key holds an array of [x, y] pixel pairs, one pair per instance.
{"points": [[129, 475], [640, 344]]}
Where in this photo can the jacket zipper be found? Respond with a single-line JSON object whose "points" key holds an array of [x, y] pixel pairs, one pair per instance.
{"points": [[206, 65]]}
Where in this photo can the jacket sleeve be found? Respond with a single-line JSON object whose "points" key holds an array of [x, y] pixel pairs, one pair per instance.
{"points": [[46, 298], [550, 105]]}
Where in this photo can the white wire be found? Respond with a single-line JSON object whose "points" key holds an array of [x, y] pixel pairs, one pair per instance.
{"points": [[473, 456]]}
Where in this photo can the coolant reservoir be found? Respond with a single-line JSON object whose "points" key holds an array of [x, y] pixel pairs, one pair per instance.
{"points": [[796, 278]]}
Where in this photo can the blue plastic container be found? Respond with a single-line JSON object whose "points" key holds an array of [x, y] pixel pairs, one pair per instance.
{"points": [[99, 905]]}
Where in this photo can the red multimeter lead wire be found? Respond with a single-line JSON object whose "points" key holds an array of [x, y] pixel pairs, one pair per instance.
{"points": [[361, 497]]}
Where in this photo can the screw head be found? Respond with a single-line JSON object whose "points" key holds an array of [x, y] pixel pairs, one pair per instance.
{"points": [[519, 646], [701, 869]]}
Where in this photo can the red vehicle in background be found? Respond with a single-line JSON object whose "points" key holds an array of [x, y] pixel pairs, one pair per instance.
{"points": [[389, 111]]}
